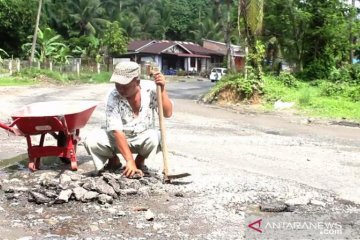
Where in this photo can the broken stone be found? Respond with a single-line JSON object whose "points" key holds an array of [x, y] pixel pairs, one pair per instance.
{"points": [[64, 196], [120, 214], [50, 194], [149, 215], [103, 187], [298, 201], [76, 177], [103, 198], [89, 185], [139, 209], [179, 194], [10, 196], [129, 191], [89, 196], [144, 191], [79, 193], [112, 182], [273, 207], [39, 211], [48, 180], [143, 181], [64, 179], [21, 189], [38, 197], [9, 189], [317, 203]]}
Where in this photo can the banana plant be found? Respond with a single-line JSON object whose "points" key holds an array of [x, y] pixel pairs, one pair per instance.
{"points": [[3, 52], [47, 46]]}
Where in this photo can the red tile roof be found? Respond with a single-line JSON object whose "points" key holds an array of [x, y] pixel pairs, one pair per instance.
{"points": [[157, 47], [196, 48], [135, 45]]}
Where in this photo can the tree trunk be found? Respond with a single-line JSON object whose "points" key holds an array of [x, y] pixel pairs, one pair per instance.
{"points": [[227, 36], [35, 32], [351, 37]]}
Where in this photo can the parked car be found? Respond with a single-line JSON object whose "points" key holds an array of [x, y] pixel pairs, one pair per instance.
{"points": [[217, 73]]}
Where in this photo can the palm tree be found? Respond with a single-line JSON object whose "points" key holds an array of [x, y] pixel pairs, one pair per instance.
{"points": [[148, 18], [87, 15], [208, 29], [57, 16], [131, 25], [164, 10]]}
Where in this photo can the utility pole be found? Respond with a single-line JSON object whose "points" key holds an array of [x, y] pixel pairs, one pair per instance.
{"points": [[35, 33]]}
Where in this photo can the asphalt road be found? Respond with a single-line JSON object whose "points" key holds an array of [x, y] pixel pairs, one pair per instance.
{"points": [[277, 144], [238, 157]]}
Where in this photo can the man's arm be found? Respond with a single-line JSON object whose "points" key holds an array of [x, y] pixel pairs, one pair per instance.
{"points": [[123, 147]]}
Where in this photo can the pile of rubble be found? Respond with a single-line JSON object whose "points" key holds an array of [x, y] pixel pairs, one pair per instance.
{"points": [[55, 188]]}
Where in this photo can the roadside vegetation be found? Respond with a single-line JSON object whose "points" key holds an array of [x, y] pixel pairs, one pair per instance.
{"points": [[328, 98]]}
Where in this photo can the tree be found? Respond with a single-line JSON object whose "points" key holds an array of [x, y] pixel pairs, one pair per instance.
{"points": [[16, 23], [35, 32], [252, 14], [88, 16], [209, 29], [131, 25], [114, 39]]}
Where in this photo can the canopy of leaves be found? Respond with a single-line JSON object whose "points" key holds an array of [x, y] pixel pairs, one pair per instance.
{"points": [[16, 23]]}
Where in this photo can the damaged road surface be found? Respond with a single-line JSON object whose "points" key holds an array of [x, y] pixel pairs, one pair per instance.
{"points": [[253, 175]]}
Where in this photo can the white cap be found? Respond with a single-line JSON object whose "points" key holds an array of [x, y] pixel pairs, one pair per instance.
{"points": [[125, 72]]}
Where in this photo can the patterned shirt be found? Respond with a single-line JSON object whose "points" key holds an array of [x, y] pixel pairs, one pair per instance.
{"points": [[119, 114]]}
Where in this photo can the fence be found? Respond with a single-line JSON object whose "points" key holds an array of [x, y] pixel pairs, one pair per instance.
{"points": [[78, 66], [75, 65]]}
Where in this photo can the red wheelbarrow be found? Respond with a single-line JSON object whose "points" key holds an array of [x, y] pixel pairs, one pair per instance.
{"points": [[60, 119]]}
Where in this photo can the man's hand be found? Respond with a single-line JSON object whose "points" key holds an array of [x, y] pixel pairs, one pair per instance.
{"points": [[159, 79], [131, 169]]}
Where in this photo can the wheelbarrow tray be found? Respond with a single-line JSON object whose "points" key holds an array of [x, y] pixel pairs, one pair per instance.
{"points": [[43, 117], [61, 119]]}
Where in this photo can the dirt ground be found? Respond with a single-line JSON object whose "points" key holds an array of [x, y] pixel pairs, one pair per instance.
{"points": [[254, 175]]}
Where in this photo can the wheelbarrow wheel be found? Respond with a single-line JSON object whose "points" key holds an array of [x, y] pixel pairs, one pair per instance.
{"points": [[61, 142]]}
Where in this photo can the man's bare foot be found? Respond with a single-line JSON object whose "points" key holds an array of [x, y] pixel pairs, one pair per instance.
{"points": [[140, 161], [140, 164], [113, 163]]}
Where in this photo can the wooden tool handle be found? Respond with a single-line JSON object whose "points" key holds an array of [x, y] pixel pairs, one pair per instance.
{"points": [[162, 130]]}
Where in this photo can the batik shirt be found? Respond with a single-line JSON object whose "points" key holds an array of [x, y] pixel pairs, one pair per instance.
{"points": [[120, 116]]}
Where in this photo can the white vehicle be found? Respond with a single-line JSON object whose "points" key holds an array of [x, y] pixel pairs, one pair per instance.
{"points": [[217, 73]]}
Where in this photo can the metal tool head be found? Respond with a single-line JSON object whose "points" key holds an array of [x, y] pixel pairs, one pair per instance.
{"points": [[169, 178]]}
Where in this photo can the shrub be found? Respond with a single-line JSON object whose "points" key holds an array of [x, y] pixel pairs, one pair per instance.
{"points": [[288, 80], [354, 93], [331, 89], [240, 87], [305, 97], [340, 74]]}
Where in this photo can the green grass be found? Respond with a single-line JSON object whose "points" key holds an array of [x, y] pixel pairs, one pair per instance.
{"points": [[309, 100], [16, 81], [33, 76]]}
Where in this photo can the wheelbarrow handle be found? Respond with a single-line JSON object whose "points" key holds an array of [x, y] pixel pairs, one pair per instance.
{"points": [[6, 127]]}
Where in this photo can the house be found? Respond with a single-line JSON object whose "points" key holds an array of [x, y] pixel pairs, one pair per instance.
{"points": [[238, 54], [173, 56]]}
